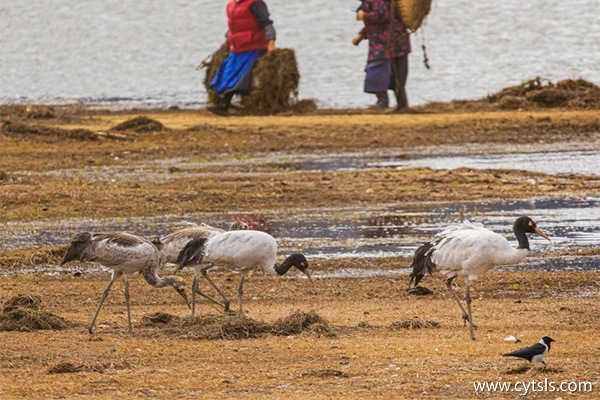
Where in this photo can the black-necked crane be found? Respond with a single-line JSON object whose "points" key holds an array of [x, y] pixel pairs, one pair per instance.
{"points": [[240, 251], [125, 254], [469, 250]]}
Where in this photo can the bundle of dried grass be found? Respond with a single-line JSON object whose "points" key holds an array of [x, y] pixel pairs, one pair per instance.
{"points": [[275, 81], [299, 322], [24, 313], [413, 12], [232, 326]]}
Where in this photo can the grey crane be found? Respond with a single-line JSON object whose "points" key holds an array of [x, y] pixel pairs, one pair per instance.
{"points": [[125, 254]]}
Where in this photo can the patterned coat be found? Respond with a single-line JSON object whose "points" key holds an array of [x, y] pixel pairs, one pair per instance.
{"points": [[377, 14]]}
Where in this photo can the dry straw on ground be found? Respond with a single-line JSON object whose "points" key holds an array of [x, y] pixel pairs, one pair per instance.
{"points": [[413, 323], [68, 367]]}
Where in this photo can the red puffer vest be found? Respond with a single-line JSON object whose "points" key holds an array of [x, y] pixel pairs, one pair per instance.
{"points": [[244, 32]]}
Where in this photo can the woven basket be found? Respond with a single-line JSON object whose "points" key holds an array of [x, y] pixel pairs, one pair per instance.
{"points": [[412, 12]]}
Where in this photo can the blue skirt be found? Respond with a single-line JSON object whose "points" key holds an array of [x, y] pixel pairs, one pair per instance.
{"points": [[378, 77], [234, 74]]}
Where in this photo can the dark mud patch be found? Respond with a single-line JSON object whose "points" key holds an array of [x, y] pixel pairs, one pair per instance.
{"points": [[232, 326], [139, 124], [70, 367], [21, 130], [25, 313]]}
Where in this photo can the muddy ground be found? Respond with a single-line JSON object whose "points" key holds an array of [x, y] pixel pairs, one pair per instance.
{"points": [[51, 168]]}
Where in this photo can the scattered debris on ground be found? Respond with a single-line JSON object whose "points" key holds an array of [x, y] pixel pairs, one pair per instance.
{"points": [[413, 323], [25, 313]]}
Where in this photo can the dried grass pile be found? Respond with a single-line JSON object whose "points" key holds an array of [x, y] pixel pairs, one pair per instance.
{"points": [[570, 93], [299, 322], [139, 124], [412, 323], [413, 12], [23, 130], [24, 313], [231, 326], [274, 87], [70, 368]]}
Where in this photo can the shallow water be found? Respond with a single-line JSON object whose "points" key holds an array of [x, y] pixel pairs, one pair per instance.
{"points": [[566, 162], [144, 53], [396, 229]]}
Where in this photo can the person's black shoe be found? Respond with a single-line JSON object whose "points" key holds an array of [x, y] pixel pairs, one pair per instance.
{"points": [[217, 109], [380, 105]]}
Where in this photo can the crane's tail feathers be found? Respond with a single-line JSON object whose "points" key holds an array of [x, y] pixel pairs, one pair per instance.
{"points": [[422, 264], [192, 252]]}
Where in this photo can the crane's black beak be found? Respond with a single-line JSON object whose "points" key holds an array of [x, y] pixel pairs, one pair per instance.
{"points": [[542, 234], [305, 272]]}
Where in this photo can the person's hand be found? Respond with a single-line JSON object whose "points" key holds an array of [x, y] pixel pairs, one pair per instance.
{"points": [[271, 46], [357, 39], [360, 15]]}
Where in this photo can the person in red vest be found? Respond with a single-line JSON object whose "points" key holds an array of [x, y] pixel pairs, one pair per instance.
{"points": [[251, 34]]}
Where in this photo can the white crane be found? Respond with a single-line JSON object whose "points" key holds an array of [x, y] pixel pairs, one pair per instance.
{"points": [[125, 254], [239, 251], [171, 245], [469, 250]]}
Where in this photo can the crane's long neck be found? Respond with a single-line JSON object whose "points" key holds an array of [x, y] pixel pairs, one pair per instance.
{"points": [[515, 256], [283, 268], [151, 276], [523, 241]]}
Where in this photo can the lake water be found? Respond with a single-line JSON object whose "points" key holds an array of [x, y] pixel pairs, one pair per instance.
{"points": [[144, 53]]}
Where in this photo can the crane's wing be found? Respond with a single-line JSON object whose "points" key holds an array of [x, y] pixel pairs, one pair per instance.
{"points": [[467, 249]]}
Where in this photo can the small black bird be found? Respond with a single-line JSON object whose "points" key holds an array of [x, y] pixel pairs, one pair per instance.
{"points": [[535, 353]]}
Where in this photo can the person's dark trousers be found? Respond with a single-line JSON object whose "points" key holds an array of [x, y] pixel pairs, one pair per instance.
{"points": [[398, 83]]}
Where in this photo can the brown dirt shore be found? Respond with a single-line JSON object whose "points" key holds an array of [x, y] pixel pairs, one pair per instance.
{"points": [[357, 353]]}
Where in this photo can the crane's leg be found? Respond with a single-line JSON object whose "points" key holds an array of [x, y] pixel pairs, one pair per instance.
{"points": [[204, 272], [195, 290], [465, 316], [127, 302], [472, 326], [115, 276], [240, 292]]}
